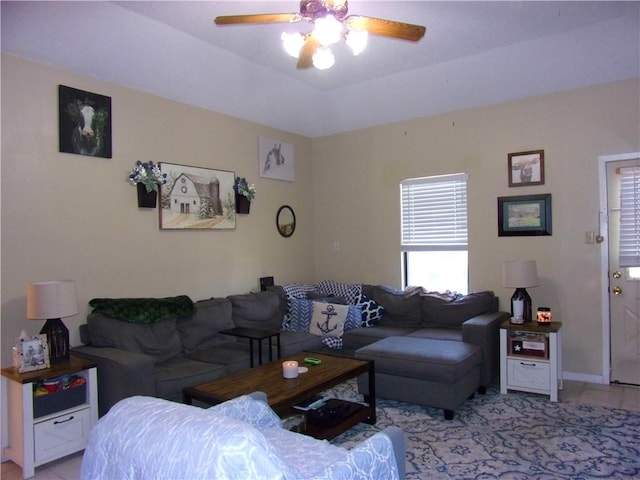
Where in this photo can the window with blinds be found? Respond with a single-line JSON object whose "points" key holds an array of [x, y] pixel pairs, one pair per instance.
{"points": [[630, 217], [434, 232]]}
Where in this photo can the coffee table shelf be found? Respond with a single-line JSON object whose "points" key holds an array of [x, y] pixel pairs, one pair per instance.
{"points": [[283, 394]]}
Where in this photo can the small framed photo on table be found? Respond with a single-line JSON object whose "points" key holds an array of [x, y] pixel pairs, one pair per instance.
{"points": [[32, 353]]}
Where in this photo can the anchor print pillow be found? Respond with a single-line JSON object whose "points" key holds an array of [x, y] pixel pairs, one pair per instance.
{"points": [[331, 320]]}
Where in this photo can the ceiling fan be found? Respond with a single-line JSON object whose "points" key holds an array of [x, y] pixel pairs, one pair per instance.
{"points": [[331, 24]]}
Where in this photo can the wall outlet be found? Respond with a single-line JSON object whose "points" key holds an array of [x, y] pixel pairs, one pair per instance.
{"points": [[336, 246]]}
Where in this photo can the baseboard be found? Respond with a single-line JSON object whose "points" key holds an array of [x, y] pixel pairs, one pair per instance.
{"points": [[583, 377]]}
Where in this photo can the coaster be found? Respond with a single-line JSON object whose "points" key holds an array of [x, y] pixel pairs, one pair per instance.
{"points": [[303, 369]]}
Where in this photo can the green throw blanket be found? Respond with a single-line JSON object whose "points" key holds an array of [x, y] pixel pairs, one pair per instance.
{"points": [[144, 310]]}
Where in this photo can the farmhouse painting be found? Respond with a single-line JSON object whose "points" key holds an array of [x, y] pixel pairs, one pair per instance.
{"points": [[197, 198], [84, 122]]}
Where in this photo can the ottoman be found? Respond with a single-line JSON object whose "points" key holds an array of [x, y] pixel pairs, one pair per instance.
{"points": [[426, 371]]}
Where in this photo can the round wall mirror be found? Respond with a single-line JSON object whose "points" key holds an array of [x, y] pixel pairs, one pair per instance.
{"points": [[286, 221]]}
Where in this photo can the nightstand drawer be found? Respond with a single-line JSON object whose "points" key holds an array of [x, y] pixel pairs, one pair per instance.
{"points": [[528, 373], [61, 435]]}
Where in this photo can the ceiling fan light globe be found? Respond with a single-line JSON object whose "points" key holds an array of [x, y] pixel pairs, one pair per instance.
{"points": [[323, 59], [357, 40], [292, 43], [327, 30]]}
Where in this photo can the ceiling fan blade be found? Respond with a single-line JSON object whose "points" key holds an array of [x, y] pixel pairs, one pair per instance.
{"points": [[387, 28], [305, 60], [258, 18]]}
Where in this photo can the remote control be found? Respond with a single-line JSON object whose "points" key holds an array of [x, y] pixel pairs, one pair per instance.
{"points": [[312, 361]]}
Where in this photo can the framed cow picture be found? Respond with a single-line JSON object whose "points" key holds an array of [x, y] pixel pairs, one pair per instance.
{"points": [[196, 198], [526, 168], [84, 122]]}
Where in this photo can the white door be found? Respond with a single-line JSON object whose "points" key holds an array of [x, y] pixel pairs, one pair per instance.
{"points": [[624, 291]]}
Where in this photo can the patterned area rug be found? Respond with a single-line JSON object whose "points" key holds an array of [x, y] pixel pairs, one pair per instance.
{"points": [[514, 436]]}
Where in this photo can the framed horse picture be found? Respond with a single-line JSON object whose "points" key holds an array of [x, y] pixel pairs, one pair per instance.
{"points": [[84, 122]]}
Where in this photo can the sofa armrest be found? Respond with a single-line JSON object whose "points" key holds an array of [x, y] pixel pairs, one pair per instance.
{"points": [[121, 374], [252, 409], [484, 331], [379, 456]]}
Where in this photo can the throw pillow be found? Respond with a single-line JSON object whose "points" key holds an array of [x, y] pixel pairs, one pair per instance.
{"points": [[372, 312], [330, 320], [349, 291], [298, 290], [300, 312]]}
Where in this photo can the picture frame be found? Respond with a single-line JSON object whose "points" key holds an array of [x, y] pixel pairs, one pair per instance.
{"points": [[84, 122], [526, 168], [32, 353], [197, 198], [275, 159], [286, 221], [524, 215]]}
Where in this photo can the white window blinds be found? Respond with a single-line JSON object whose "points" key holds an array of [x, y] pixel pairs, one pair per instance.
{"points": [[434, 213], [630, 217]]}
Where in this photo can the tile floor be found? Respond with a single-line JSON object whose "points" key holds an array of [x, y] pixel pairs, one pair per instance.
{"points": [[615, 396]]}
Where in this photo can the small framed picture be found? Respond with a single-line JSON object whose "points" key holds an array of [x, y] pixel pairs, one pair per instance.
{"points": [[33, 353], [526, 215], [526, 168]]}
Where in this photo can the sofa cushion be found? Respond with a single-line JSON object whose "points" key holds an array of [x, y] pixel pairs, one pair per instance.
{"points": [[400, 311], [200, 330], [143, 310], [175, 374], [234, 356], [159, 340], [360, 337], [437, 360], [440, 313], [256, 310]]}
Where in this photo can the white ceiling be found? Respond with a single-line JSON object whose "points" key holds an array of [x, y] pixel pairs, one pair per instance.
{"points": [[473, 54]]}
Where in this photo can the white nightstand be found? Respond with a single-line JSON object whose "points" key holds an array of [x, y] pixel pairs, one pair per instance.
{"points": [[531, 358], [64, 429]]}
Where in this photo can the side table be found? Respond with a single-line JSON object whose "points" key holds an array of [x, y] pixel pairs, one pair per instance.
{"points": [[531, 358], [33, 441], [255, 334]]}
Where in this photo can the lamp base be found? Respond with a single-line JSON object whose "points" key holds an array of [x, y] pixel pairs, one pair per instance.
{"points": [[520, 306], [57, 340]]}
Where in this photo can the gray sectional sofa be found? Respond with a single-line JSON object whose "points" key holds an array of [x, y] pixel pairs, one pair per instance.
{"points": [[163, 356]]}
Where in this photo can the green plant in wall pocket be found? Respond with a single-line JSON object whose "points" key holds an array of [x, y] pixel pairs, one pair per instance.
{"points": [[245, 192], [147, 177]]}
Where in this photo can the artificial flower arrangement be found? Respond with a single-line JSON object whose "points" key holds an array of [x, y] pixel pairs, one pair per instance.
{"points": [[148, 174], [241, 187]]}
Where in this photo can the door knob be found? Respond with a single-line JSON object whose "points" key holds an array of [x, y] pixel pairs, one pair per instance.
{"points": [[617, 290], [616, 274]]}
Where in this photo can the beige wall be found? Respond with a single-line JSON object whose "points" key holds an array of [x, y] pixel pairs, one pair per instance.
{"points": [[70, 216], [356, 180], [73, 216]]}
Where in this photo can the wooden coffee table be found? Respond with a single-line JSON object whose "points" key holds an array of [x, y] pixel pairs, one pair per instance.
{"points": [[283, 394]]}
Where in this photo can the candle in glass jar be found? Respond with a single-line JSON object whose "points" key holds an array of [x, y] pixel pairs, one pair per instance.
{"points": [[290, 369]]}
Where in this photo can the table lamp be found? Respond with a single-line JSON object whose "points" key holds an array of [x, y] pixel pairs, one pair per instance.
{"points": [[50, 301], [520, 274]]}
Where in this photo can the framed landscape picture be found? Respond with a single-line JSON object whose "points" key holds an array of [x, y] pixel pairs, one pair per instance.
{"points": [[526, 168], [524, 215], [197, 198]]}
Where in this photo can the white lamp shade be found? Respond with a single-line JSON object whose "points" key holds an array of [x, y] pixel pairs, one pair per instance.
{"points": [[519, 273], [51, 299]]}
